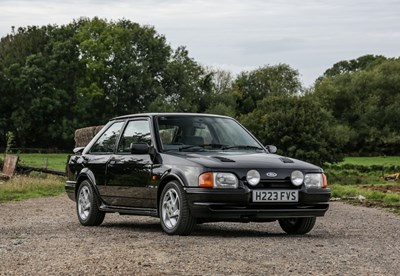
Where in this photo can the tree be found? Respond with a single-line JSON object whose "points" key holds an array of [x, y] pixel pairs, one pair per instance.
{"points": [[19, 53], [354, 65], [39, 86], [124, 63], [299, 127], [366, 100], [187, 86], [56, 79], [251, 87], [223, 99]]}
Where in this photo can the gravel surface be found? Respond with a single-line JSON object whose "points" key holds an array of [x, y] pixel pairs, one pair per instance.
{"points": [[43, 237]]}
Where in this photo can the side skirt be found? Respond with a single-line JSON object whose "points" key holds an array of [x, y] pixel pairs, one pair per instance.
{"points": [[129, 210]]}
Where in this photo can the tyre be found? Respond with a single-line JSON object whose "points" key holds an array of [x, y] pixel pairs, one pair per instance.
{"points": [[175, 215], [297, 226], [87, 205]]}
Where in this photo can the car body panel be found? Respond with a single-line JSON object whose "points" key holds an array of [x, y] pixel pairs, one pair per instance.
{"points": [[127, 180]]}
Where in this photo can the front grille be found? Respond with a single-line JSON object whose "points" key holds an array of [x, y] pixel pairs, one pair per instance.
{"points": [[275, 184]]}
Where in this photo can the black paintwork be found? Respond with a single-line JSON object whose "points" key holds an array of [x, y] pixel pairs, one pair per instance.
{"points": [[132, 183]]}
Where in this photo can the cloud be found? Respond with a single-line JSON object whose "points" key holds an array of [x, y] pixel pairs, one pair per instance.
{"points": [[309, 35]]}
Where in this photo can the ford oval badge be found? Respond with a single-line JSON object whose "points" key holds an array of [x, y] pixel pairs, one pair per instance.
{"points": [[272, 174]]}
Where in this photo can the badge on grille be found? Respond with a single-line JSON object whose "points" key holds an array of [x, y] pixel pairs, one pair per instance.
{"points": [[272, 174]]}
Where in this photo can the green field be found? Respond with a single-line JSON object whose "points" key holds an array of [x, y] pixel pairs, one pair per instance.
{"points": [[53, 161], [57, 161], [346, 179], [348, 191], [36, 185], [362, 170], [369, 161], [353, 177]]}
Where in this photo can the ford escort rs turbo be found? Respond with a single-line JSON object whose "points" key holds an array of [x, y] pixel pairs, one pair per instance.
{"points": [[189, 169]]}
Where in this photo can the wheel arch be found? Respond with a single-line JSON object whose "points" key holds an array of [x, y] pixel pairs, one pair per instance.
{"points": [[88, 175], [163, 182]]}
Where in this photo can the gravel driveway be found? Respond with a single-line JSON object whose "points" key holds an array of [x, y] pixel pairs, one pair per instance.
{"points": [[43, 236]]}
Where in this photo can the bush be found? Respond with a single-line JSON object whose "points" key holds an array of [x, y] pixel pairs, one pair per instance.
{"points": [[299, 127]]}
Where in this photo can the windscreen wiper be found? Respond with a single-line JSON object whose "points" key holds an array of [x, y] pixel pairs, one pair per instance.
{"points": [[203, 146], [242, 147], [192, 147], [214, 146]]}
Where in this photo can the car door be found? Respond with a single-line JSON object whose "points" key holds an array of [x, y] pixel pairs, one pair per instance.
{"points": [[128, 175], [96, 159]]}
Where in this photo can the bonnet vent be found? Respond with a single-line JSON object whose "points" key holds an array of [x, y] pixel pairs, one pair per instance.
{"points": [[223, 159], [286, 160]]}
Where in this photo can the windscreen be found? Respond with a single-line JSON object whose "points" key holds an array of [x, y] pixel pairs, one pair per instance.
{"points": [[203, 133]]}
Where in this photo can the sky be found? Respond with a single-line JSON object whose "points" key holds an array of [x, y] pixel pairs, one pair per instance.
{"points": [[240, 35]]}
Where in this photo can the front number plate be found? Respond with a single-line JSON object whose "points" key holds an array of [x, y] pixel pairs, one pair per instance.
{"points": [[275, 196]]}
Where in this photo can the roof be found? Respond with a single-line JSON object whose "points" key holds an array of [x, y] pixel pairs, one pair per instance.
{"points": [[166, 114]]}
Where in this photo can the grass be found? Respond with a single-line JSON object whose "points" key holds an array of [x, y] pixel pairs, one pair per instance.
{"points": [[362, 170], [350, 193], [36, 185], [345, 180], [54, 161], [348, 177], [369, 161]]}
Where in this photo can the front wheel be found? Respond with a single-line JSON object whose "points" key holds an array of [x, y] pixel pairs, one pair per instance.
{"points": [[87, 206], [175, 215], [297, 226]]}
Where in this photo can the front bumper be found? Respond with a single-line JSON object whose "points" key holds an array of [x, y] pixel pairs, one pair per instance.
{"points": [[70, 189], [237, 205]]}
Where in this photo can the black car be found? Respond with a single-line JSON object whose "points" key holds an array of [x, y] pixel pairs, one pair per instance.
{"points": [[192, 168]]}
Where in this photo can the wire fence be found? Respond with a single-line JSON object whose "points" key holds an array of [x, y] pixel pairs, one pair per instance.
{"points": [[35, 150]]}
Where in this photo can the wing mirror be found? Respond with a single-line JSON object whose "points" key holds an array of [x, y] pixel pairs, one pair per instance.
{"points": [[79, 150], [140, 148], [271, 148]]}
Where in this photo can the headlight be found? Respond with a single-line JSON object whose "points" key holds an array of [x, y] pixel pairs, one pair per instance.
{"points": [[218, 180], [253, 177], [225, 180], [315, 180], [297, 178]]}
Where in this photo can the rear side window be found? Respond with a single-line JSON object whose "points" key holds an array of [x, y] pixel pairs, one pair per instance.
{"points": [[106, 142]]}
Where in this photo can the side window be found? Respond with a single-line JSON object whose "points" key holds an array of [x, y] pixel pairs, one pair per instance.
{"points": [[106, 142], [135, 132]]}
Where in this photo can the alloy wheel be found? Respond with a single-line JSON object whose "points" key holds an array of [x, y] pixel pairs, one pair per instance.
{"points": [[170, 209], [84, 203]]}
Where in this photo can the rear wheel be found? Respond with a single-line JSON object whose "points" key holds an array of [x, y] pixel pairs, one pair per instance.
{"points": [[87, 206], [175, 215], [297, 226]]}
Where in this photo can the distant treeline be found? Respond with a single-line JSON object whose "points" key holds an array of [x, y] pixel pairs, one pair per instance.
{"points": [[55, 79]]}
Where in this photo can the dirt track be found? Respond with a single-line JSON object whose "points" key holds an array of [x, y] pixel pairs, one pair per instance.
{"points": [[43, 236]]}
